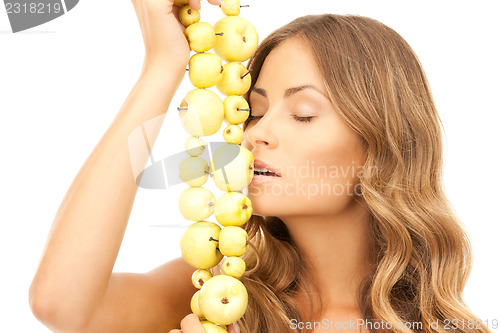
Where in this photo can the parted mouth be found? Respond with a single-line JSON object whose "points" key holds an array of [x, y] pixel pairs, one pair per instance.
{"points": [[262, 168]]}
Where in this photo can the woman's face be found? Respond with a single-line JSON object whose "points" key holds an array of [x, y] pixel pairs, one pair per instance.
{"points": [[317, 155]]}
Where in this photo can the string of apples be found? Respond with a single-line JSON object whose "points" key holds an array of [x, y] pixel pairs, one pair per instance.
{"points": [[221, 299]]}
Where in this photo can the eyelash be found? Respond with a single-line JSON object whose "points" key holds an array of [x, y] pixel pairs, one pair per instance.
{"points": [[301, 119]]}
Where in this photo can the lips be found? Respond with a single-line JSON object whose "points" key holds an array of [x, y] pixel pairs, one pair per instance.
{"points": [[264, 165]]}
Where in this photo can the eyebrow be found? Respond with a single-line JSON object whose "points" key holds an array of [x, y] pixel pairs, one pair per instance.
{"points": [[290, 91]]}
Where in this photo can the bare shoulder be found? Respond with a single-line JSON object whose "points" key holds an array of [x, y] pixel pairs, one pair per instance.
{"points": [[155, 301]]}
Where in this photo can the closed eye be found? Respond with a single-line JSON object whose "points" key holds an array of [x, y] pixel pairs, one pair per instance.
{"points": [[302, 119]]}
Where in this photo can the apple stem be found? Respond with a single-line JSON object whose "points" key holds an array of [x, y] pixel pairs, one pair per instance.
{"points": [[187, 69], [182, 109], [245, 6], [245, 74], [242, 109], [219, 34], [213, 239], [208, 172]]}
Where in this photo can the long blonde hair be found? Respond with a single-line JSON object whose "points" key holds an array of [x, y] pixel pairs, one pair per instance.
{"points": [[423, 255]]}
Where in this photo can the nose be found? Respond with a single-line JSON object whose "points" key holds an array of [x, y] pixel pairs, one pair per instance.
{"points": [[260, 132]]}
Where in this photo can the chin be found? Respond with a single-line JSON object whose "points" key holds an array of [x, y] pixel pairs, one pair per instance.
{"points": [[257, 208], [266, 205], [260, 203]]}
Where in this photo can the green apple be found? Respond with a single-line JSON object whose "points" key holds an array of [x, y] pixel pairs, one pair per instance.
{"points": [[231, 7], [194, 146], [196, 203], [233, 241], [194, 171], [232, 167], [199, 277], [236, 110], [233, 209], [236, 79], [195, 305], [233, 134], [201, 112], [236, 38], [188, 16], [212, 328], [234, 266], [205, 69], [223, 299], [199, 245], [201, 36]]}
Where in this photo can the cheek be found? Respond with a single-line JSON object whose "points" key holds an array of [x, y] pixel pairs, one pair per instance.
{"points": [[329, 167]]}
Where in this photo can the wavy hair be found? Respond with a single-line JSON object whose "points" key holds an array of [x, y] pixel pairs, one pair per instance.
{"points": [[423, 255]]}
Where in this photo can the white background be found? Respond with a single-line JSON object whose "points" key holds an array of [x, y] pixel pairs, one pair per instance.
{"points": [[62, 83]]}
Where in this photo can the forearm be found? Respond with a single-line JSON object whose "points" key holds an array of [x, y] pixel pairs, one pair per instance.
{"points": [[88, 228]]}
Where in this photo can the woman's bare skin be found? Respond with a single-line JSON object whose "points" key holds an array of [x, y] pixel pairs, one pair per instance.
{"points": [[75, 288]]}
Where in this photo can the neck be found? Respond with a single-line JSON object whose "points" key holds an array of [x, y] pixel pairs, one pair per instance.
{"points": [[337, 248]]}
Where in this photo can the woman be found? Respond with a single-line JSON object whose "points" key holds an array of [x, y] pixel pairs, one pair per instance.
{"points": [[355, 227], [374, 238]]}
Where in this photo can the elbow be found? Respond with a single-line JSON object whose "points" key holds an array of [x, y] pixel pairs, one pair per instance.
{"points": [[53, 315], [39, 305], [42, 309]]}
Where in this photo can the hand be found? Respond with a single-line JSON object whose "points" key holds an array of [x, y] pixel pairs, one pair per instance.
{"points": [[192, 324], [162, 32]]}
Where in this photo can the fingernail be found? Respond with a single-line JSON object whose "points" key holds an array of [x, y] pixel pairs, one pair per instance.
{"points": [[236, 327]]}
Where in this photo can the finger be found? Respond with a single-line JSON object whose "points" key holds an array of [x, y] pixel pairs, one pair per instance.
{"points": [[192, 324], [195, 4], [216, 2], [233, 328]]}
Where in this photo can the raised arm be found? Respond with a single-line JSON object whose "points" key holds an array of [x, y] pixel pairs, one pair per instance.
{"points": [[74, 289]]}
